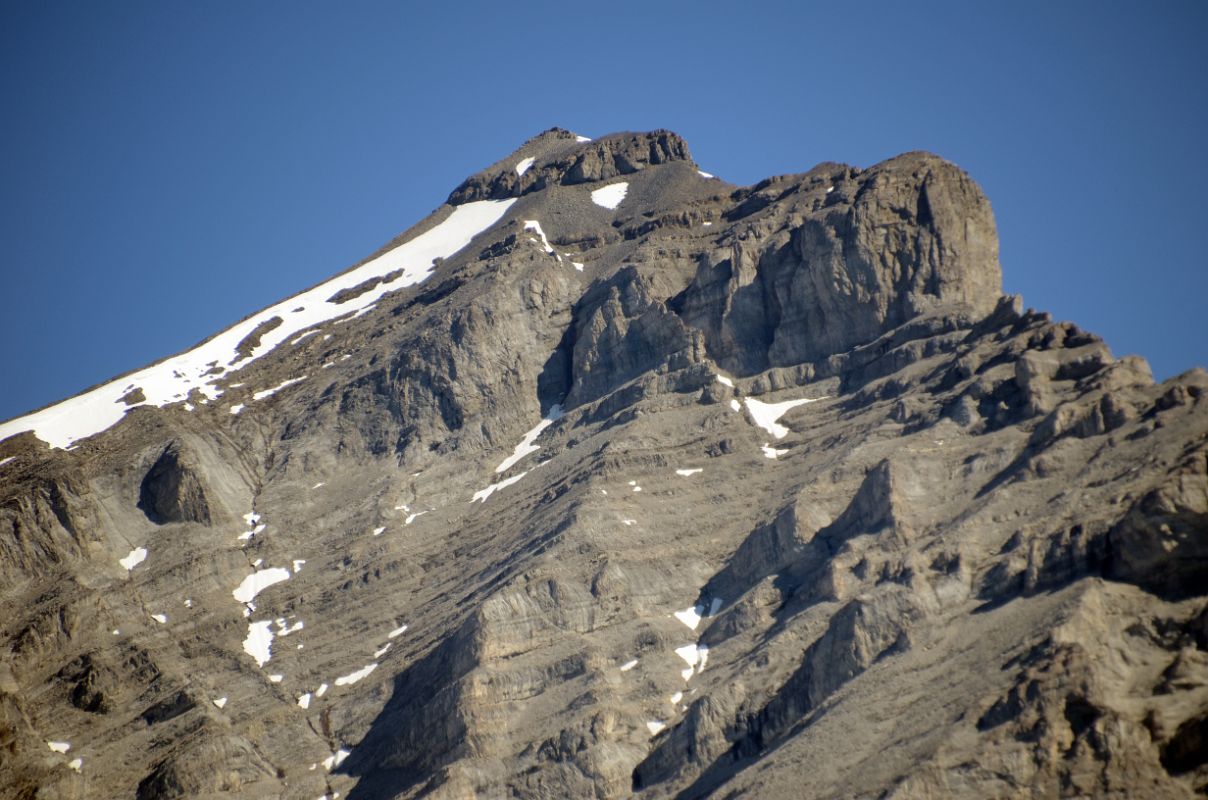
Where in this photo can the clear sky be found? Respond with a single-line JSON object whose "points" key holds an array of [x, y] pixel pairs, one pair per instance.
{"points": [[167, 168]]}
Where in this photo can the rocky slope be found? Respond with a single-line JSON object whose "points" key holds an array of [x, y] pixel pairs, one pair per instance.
{"points": [[612, 479]]}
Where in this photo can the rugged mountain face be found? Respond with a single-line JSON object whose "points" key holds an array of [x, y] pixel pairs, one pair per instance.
{"points": [[612, 479]]}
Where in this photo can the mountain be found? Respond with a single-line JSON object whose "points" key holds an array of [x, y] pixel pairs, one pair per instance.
{"points": [[612, 479]]}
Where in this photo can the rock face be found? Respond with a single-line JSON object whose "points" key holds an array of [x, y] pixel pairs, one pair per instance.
{"points": [[612, 479]]}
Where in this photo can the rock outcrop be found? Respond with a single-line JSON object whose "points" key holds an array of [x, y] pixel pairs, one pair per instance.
{"points": [[612, 479]]}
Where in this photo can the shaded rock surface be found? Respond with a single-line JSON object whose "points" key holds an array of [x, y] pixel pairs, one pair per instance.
{"points": [[728, 491]]}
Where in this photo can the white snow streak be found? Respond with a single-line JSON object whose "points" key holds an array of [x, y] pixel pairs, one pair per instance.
{"points": [[220, 702], [610, 196], [704, 174], [76, 763], [773, 452], [4, 461], [59, 747], [482, 494], [304, 700], [277, 388], [522, 166], [687, 473], [173, 379], [724, 381], [535, 226], [353, 677], [526, 445], [628, 665], [581, 139], [654, 726], [162, 619], [235, 409], [399, 631]]}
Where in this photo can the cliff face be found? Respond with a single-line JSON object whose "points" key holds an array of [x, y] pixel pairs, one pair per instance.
{"points": [[608, 479]]}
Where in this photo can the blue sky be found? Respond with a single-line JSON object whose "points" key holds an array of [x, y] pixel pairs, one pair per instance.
{"points": [[168, 168]]}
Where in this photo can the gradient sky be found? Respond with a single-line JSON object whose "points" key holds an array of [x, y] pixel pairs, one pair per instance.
{"points": [[167, 168]]}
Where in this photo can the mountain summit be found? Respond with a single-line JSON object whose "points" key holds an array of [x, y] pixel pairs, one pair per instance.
{"points": [[610, 479]]}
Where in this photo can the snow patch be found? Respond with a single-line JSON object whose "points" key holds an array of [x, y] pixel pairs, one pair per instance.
{"points": [[76, 763], [4, 461], [735, 405], [773, 452], [165, 383], [690, 616], [258, 581], [524, 164], [59, 747], [353, 677], [724, 381], [535, 226], [628, 665], [137, 556], [285, 629], [276, 678], [304, 700], [687, 473], [381, 651], [259, 641], [277, 388], [322, 690], [379, 531], [765, 415], [582, 139], [482, 494], [235, 409], [704, 174], [689, 652], [335, 759], [526, 445], [162, 619], [655, 725], [318, 485], [675, 698], [610, 196], [399, 631]]}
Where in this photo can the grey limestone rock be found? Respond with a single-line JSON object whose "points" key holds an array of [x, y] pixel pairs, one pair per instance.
{"points": [[711, 490]]}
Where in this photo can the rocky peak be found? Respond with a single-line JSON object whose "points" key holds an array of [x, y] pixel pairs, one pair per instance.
{"points": [[559, 157], [612, 479]]}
